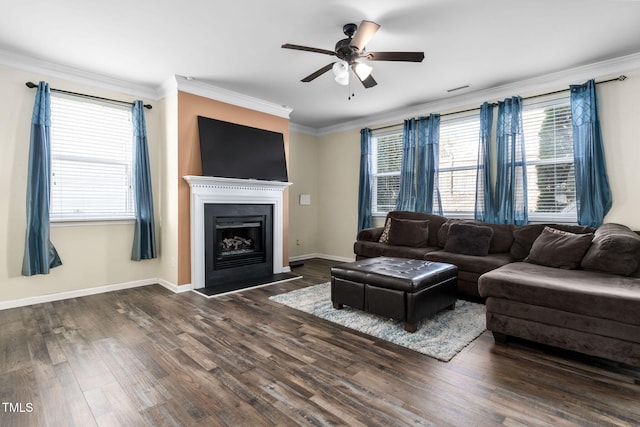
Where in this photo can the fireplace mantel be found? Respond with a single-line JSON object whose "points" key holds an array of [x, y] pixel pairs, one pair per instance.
{"points": [[206, 189]]}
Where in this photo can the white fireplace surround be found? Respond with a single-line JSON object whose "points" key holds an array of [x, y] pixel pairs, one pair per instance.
{"points": [[207, 189]]}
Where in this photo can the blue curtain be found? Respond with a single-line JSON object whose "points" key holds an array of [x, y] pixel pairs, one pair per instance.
{"points": [[144, 239], [39, 253], [484, 195], [406, 200], [365, 191], [428, 148], [593, 194], [511, 182]]}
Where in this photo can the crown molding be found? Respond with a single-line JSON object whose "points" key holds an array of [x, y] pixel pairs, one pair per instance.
{"points": [[307, 130], [223, 95], [532, 86], [41, 67], [50, 69]]}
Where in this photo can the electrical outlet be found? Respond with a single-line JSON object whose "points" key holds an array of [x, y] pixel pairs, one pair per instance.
{"points": [[297, 242]]}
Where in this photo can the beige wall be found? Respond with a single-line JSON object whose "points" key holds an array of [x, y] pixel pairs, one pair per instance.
{"points": [[304, 171], [189, 108], [92, 255], [327, 168], [339, 160], [620, 121]]}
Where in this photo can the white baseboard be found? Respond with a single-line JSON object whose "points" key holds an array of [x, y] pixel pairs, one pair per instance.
{"points": [[323, 256], [40, 299], [173, 287]]}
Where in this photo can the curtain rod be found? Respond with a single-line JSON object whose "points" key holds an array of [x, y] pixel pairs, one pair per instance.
{"points": [[32, 85], [617, 79]]}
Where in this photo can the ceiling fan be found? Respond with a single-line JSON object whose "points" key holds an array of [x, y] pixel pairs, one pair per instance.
{"points": [[351, 52]]}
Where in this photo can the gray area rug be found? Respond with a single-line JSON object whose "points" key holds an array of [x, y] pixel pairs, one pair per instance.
{"points": [[440, 337]]}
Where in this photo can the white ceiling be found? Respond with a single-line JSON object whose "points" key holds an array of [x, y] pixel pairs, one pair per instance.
{"points": [[235, 45]]}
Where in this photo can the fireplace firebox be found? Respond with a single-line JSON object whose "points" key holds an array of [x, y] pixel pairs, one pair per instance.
{"points": [[238, 242]]}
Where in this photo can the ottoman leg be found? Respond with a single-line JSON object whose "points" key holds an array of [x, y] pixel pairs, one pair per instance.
{"points": [[452, 306], [410, 327], [337, 306]]}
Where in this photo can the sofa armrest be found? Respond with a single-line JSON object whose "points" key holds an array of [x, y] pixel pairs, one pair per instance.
{"points": [[370, 234]]}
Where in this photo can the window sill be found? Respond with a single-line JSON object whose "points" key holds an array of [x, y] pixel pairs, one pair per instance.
{"points": [[90, 222]]}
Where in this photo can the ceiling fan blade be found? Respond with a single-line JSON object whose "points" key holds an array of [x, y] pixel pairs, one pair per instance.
{"points": [[364, 34], [308, 49], [368, 82], [395, 56], [318, 73]]}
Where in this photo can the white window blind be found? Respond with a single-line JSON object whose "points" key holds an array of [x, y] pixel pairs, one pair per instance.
{"points": [[387, 159], [91, 156], [549, 150], [458, 164]]}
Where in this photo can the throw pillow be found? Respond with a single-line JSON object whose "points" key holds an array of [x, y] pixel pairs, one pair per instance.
{"points": [[559, 249], [615, 249], [468, 239], [523, 238], [409, 232], [443, 231], [525, 235], [384, 237]]}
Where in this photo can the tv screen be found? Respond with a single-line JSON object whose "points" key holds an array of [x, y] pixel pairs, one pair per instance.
{"points": [[235, 151]]}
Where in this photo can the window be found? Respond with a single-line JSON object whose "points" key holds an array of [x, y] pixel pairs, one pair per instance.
{"points": [[386, 150], [549, 149], [91, 160], [550, 173], [458, 165]]}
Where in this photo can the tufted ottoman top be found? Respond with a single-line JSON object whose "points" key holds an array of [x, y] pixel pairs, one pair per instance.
{"points": [[403, 274]]}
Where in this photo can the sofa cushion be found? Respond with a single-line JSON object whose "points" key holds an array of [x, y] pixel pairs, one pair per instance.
{"points": [[599, 295], [502, 237], [470, 263], [443, 231], [525, 235], [435, 221], [502, 234], [560, 249], [567, 320], [615, 249], [468, 239], [370, 234], [408, 232], [365, 249]]}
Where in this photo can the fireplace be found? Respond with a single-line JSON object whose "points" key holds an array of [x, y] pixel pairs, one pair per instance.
{"points": [[238, 242], [235, 206]]}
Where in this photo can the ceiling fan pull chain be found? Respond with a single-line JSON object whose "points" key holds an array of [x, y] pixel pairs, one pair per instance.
{"points": [[350, 92]]}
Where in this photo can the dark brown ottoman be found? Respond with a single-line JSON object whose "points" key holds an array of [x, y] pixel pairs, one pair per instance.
{"points": [[403, 289]]}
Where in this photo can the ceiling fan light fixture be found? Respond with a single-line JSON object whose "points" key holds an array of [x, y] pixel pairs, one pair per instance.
{"points": [[362, 70], [340, 69], [343, 79]]}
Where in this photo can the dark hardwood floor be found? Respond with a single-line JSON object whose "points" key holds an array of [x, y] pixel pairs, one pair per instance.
{"points": [[147, 357]]}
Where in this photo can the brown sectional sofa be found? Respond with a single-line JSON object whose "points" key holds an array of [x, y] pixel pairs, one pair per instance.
{"points": [[470, 267], [567, 286]]}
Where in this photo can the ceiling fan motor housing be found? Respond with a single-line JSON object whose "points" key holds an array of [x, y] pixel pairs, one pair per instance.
{"points": [[349, 29], [344, 50]]}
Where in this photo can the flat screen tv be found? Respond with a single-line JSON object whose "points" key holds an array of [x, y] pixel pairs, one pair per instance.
{"points": [[231, 150]]}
